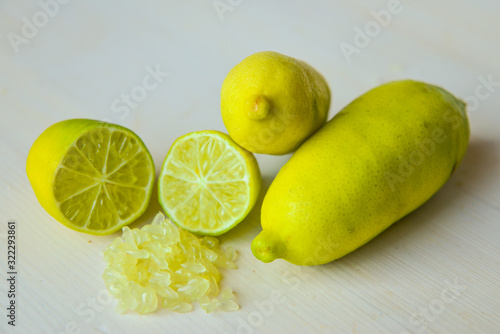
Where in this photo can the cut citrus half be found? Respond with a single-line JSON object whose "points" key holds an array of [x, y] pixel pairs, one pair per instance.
{"points": [[91, 176], [208, 184]]}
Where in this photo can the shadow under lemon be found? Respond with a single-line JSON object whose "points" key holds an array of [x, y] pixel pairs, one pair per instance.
{"points": [[249, 227]]}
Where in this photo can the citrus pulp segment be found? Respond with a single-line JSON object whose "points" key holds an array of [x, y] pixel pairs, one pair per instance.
{"points": [[208, 184]]}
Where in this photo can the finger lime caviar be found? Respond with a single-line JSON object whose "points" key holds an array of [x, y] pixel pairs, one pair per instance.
{"points": [[164, 265]]}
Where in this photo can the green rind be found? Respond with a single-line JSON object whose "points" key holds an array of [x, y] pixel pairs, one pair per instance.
{"points": [[255, 183]]}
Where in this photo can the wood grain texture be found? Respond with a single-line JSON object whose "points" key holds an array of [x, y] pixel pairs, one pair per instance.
{"points": [[435, 271]]}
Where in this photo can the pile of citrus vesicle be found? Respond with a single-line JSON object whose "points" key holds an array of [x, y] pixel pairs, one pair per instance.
{"points": [[164, 265]]}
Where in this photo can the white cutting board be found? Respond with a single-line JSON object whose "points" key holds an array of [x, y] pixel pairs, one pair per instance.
{"points": [[436, 271]]}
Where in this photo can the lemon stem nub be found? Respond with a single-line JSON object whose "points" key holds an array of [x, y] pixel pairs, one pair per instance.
{"points": [[259, 107], [266, 247]]}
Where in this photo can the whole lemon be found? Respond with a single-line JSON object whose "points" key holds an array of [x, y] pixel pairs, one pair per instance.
{"points": [[271, 103], [377, 160]]}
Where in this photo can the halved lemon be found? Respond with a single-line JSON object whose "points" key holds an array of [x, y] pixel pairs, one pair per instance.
{"points": [[91, 176], [208, 184]]}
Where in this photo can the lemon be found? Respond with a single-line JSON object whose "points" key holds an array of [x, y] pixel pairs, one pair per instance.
{"points": [[91, 176], [270, 103], [377, 160], [208, 183]]}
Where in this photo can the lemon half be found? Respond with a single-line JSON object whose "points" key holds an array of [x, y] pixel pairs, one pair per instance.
{"points": [[208, 184], [91, 176]]}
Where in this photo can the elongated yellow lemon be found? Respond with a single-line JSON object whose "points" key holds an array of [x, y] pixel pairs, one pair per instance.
{"points": [[377, 160]]}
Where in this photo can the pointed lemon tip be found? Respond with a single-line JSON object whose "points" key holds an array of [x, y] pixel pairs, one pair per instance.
{"points": [[259, 107], [266, 247]]}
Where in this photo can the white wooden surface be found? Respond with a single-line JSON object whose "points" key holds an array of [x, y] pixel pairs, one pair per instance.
{"points": [[436, 271]]}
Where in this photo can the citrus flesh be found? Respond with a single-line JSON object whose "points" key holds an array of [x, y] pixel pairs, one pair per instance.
{"points": [[161, 265], [208, 184], [93, 177]]}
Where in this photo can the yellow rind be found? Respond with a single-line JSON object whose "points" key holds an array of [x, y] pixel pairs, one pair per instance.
{"points": [[46, 155], [334, 194]]}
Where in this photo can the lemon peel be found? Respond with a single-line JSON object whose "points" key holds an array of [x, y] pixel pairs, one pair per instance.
{"points": [[271, 103]]}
